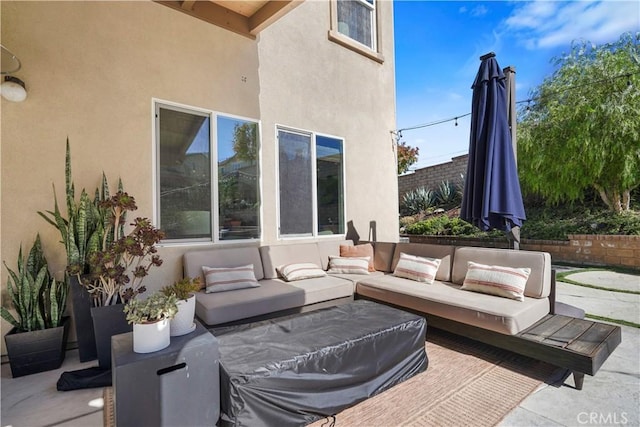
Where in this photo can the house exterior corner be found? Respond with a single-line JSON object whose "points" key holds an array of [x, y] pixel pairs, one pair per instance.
{"points": [[102, 74]]}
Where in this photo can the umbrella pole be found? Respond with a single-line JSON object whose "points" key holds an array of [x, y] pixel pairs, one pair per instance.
{"points": [[510, 74], [514, 238]]}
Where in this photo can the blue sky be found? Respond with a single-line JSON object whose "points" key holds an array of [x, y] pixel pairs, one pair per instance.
{"points": [[438, 45]]}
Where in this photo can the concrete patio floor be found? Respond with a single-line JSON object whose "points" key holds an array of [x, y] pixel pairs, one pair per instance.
{"points": [[611, 398]]}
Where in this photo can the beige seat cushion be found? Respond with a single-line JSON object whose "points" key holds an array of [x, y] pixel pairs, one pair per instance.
{"points": [[328, 248], [274, 256], [317, 253], [449, 301], [323, 288], [383, 255], [192, 261], [271, 296], [353, 278]]}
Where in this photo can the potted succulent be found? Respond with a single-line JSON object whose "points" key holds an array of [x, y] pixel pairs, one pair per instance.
{"points": [[151, 318], [117, 271], [37, 341], [105, 267], [82, 231], [184, 290]]}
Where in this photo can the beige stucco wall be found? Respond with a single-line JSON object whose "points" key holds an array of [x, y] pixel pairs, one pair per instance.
{"points": [[93, 68], [310, 83]]}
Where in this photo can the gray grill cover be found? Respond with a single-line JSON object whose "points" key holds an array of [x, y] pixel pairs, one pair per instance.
{"points": [[298, 369]]}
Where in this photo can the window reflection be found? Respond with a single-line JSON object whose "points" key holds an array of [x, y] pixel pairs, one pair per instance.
{"points": [[238, 184], [311, 193], [185, 174], [356, 19], [295, 180], [329, 162]]}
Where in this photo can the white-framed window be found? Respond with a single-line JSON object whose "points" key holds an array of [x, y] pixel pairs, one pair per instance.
{"points": [[311, 184], [357, 20], [207, 174], [354, 25]]}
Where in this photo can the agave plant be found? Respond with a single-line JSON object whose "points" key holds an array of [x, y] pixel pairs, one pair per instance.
{"points": [[39, 299], [418, 200], [447, 195]]}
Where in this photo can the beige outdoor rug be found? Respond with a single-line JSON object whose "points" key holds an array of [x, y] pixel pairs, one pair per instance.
{"points": [[466, 384], [108, 416]]}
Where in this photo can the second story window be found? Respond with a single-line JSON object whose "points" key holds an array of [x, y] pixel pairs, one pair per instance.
{"points": [[357, 20]]}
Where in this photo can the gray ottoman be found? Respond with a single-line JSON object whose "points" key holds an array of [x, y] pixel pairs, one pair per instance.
{"points": [[298, 369]]}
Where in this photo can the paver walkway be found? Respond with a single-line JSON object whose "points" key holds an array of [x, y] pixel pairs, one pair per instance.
{"points": [[613, 305], [607, 279]]}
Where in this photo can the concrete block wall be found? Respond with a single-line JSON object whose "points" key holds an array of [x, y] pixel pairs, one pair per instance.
{"points": [[431, 176], [591, 249], [458, 241], [580, 249], [560, 250]]}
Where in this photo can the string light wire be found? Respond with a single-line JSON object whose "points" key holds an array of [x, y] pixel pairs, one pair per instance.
{"points": [[398, 132]]}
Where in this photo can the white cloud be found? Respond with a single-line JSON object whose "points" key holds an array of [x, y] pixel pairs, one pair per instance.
{"points": [[479, 11], [545, 24], [532, 15]]}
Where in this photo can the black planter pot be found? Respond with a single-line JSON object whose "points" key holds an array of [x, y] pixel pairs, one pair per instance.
{"points": [[37, 351], [81, 302], [108, 321]]}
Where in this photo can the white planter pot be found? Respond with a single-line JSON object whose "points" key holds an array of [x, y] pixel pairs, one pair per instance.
{"points": [[150, 337], [182, 323]]}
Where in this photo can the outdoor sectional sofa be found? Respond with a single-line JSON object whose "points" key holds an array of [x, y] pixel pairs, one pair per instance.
{"points": [[523, 322], [293, 370], [443, 299]]}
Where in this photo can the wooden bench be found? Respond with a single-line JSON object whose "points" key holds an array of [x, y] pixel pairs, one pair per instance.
{"points": [[580, 345], [577, 344]]}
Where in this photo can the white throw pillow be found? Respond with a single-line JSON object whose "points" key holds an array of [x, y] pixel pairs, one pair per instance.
{"points": [[299, 271], [349, 265], [222, 279], [507, 282], [421, 269]]}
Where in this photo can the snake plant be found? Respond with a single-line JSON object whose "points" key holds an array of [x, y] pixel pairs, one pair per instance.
{"points": [[39, 299], [84, 230]]}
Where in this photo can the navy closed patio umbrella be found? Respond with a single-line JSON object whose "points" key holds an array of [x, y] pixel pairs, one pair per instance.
{"points": [[492, 198]]}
